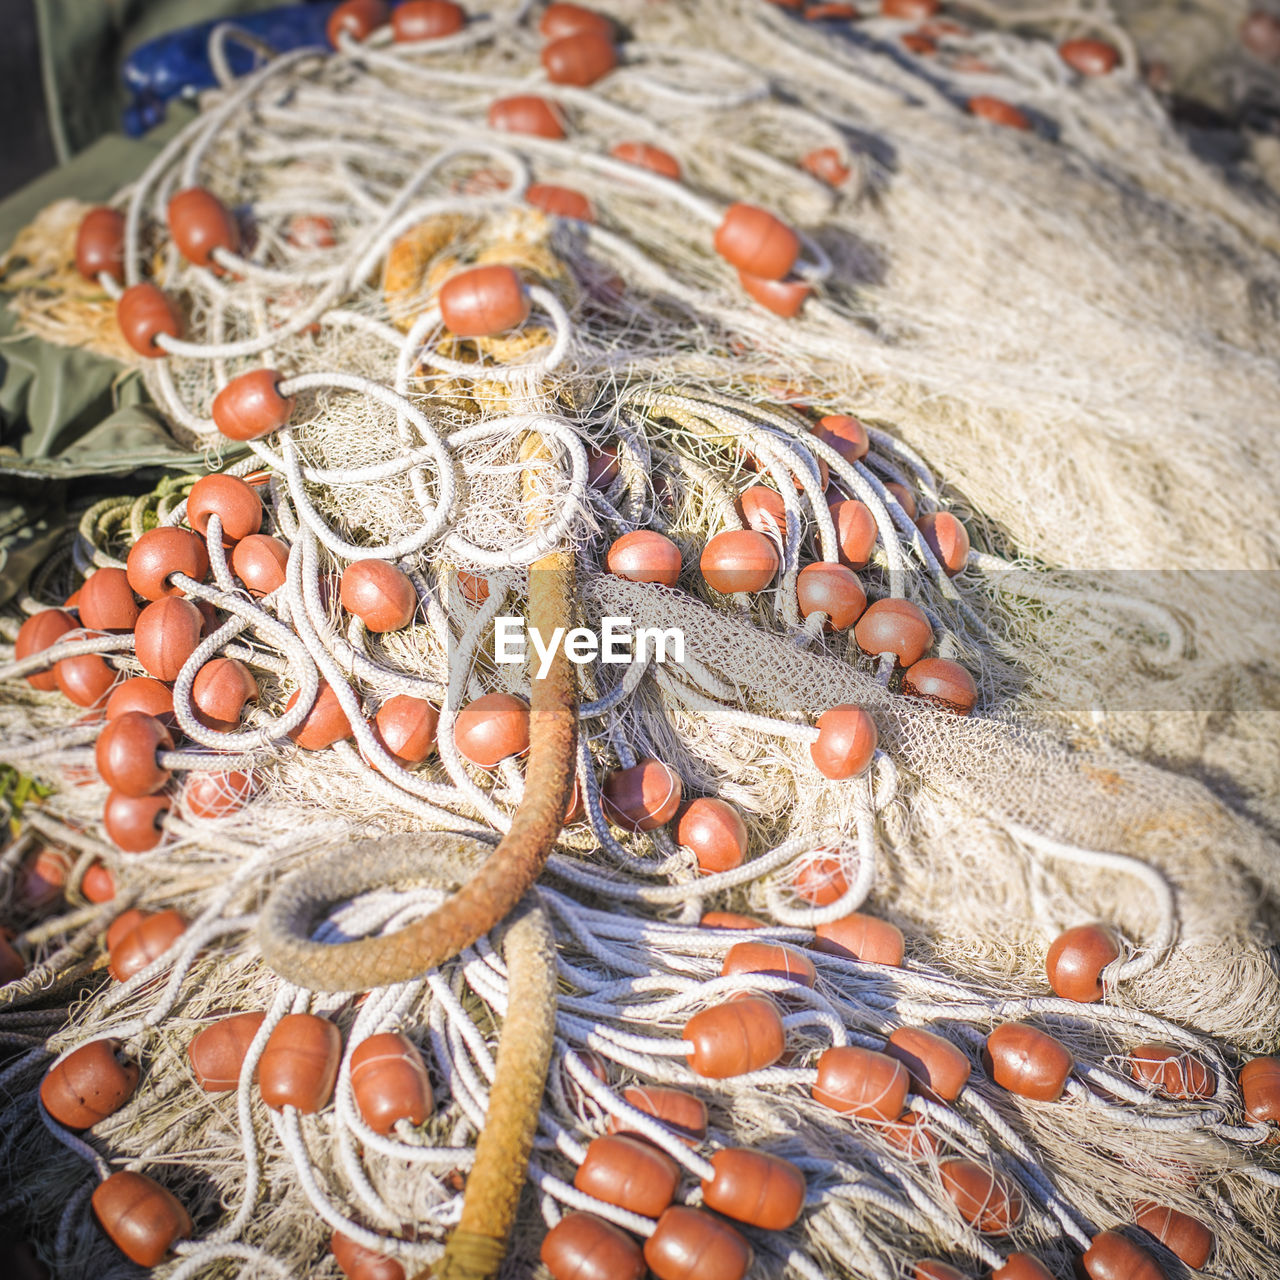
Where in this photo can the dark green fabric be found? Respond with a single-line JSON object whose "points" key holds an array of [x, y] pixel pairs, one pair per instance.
{"points": [[84, 42], [73, 425], [65, 411]]}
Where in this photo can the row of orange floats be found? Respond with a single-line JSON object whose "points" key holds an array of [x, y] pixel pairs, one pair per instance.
{"points": [[389, 1081], [298, 1068], [1086, 56], [747, 560]]}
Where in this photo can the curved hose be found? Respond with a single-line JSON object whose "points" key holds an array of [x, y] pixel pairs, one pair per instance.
{"points": [[476, 1249], [497, 886], [492, 892]]}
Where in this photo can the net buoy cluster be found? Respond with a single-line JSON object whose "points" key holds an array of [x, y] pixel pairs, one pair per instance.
{"points": [[861, 962]]}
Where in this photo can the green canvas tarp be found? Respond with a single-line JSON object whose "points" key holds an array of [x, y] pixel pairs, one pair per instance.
{"points": [[75, 425]]}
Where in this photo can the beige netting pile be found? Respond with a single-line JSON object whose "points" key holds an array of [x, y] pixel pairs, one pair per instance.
{"points": [[1026, 403]]}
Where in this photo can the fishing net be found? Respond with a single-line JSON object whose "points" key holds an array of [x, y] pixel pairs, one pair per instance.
{"points": [[1061, 334]]}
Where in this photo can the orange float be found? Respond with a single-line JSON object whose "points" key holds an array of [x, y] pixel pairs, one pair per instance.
{"points": [[1077, 958], [426, 20], [484, 301], [251, 406], [100, 244], [735, 1038], [141, 1218], [200, 225], [753, 240]]}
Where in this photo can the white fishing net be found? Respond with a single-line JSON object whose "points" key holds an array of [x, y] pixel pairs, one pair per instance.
{"points": [[1066, 336]]}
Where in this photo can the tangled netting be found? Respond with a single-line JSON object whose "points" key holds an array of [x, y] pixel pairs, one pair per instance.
{"points": [[1063, 335]]}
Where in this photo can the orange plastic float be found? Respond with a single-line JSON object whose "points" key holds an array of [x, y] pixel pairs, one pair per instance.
{"points": [[579, 59], [729, 920], [936, 1065], [133, 823], [1111, 1256], [40, 632], [358, 1263], [645, 556], [821, 881], [948, 540], [910, 10], [560, 20], [861, 1083], [645, 156], [141, 1218], [221, 688], [161, 552], [107, 603], [527, 113], [250, 406], [691, 1245], [357, 19], [379, 594], [100, 244], [845, 434], [1077, 958], [715, 831], [261, 563], [88, 1085], [125, 754], [642, 797], [426, 20], [133, 949], [755, 1187], [207, 796], [86, 680], [846, 745], [1029, 1062], [144, 312], [484, 301], [772, 958], [406, 728], [1089, 57], [582, 1246], [945, 684], [299, 1066], [325, 724], [986, 1200], [167, 633], [560, 202], [894, 626], [753, 240], [739, 560], [762, 509], [783, 297], [200, 225], [906, 499], [861, 937], [492, 728], [1181, 1234], [218, 1052], [734, 1038], [390, 1082], [998, 111], [1260, 1086], [235, 503], [630, 1173], [827, 165], [932, 1269], [681, 1112]]}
